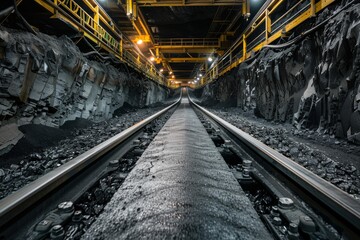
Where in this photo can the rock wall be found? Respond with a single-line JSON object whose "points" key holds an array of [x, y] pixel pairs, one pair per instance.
{"points": [[46, 80], [313, 84]]}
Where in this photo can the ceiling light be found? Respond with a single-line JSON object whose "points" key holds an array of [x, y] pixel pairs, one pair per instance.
{"points": [[170, 72], [200, 75], [152, 58], [210, 59], [161, 70], [139, 41], [173, 76], [197, 78]]}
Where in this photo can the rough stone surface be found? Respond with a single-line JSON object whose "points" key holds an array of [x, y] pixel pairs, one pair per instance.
{"points": [[312, 84], [9, 136], [46, 80], [180, 188]]}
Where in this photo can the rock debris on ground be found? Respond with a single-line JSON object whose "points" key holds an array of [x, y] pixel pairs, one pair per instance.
{"points": [[333, 159], [19, 171]]}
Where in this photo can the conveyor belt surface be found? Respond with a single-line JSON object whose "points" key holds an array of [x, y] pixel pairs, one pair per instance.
{"points": [[180, 188]]}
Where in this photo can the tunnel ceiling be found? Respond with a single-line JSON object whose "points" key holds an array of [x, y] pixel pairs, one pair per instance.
{"points": [[178, 36], [179, 22]]}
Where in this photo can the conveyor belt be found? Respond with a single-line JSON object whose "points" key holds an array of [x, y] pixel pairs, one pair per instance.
{"points": [[181, 188]]}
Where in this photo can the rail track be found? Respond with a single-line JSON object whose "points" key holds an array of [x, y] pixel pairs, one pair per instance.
{"points": [[295, 203], [29, 205], [333, 204]]}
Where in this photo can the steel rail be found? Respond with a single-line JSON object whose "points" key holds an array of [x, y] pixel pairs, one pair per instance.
{"points": [[19, 201], [328, 194]]}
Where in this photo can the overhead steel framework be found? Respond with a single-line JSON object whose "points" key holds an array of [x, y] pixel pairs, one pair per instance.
{"points": [[95, 24], [183, 45]]}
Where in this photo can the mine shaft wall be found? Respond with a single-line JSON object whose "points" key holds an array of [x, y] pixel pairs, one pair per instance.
{"points": [[313, 84], [47, 80]]}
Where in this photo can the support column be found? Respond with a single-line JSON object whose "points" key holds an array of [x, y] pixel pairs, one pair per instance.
{"points": [[267, 24], [244, 47], [312, 8]]}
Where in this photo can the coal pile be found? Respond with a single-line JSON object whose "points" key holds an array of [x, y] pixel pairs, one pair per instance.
{"points": [[344, 174], [91, 203], [25, 170]]}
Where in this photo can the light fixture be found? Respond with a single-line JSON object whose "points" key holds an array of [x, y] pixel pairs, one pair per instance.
{"points": [[189, 82], [139, 41], [200, 74], [197, 78], [210, 59], [173, 76], [161, 70], [170, 72], [152, 58]]}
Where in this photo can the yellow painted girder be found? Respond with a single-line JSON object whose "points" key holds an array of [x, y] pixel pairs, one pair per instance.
{"points": [[181, 60], [187, 42], [138, 21], [204, 50], [183, 3]]}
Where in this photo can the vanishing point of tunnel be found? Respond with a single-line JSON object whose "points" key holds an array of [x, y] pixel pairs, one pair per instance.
{"points": [[180, 119]]}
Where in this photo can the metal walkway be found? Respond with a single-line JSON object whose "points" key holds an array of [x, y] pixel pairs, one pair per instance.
{"points": [[181, 188]]}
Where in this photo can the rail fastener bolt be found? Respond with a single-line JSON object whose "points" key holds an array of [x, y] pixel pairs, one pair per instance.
{"points": [[286, 203], [57, 232]]}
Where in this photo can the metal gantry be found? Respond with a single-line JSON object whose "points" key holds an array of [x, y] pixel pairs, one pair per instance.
{"points": [[177, 45], [266, 27]]}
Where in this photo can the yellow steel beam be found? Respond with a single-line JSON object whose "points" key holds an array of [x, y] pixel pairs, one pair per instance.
{"points": [[182, 70], [138, 21], [187, 45], [188, 42], [186, 49], [204, 50], [183, 3], [313, 8], [246, 9], [181, 60]]}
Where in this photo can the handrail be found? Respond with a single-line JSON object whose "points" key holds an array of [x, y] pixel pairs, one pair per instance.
{"points": [[187, 42], [265, 28], [99, 28]]}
